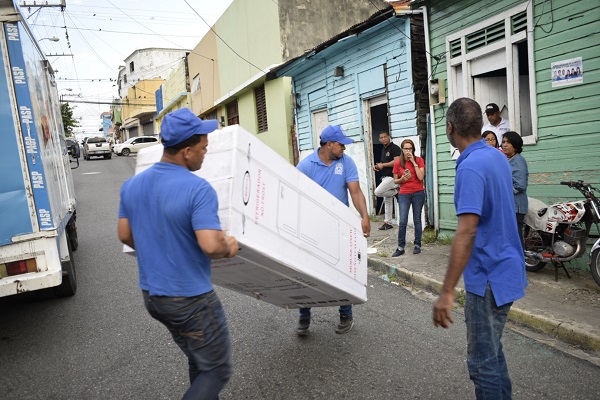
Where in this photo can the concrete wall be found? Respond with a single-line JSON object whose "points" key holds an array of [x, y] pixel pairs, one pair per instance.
{"points": [[148, 64], [251, 28], [203, 61], [306, 23], [140, 98], [175, 84]]}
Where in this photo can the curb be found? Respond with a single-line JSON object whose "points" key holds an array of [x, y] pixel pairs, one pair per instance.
{"points": [[548, 326]]}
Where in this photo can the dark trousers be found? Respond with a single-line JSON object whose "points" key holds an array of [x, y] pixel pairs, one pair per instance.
{"points": [[520, 219], [199, 328]]}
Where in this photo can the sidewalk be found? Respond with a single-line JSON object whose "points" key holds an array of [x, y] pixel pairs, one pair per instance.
{"points": [[568, 309]]}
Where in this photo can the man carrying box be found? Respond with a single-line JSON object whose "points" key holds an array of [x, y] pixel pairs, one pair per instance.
{"points": [[335, 172], [174, 244]]}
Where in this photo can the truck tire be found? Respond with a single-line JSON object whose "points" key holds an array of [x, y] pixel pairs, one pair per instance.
{"points": [[68, 287], [107, 157], [125, 152], [72, 232]]}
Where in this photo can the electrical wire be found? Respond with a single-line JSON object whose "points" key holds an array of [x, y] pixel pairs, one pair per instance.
{"points": [[91, 48], [115, 50], [122, 32], [137, 22], [222, 40]]}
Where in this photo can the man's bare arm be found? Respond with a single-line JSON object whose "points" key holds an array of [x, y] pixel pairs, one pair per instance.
{"points": [[460, 252]]}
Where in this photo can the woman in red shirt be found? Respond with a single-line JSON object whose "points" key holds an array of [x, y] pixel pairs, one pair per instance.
{"points": [[409, 172]]}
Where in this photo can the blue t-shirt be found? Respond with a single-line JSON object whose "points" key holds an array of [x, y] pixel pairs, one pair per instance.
{"points": [[165, 205], [484, 187], [333, 178]]}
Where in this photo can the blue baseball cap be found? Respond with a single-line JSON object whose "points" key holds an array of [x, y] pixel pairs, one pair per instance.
{"points": [[182, 124], [335, 133]]}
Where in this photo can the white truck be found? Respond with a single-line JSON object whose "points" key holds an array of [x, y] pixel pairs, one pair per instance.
{"points": [[37, 199]]}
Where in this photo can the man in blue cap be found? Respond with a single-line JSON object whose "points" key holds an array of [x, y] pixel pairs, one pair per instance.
{"points": [[336, 172], [175, 235]]}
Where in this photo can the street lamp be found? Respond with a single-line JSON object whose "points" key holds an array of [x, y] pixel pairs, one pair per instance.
{"points": [[52, 39]]}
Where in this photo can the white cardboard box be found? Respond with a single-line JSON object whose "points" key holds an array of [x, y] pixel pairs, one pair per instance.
{"points": [[300, 246]]}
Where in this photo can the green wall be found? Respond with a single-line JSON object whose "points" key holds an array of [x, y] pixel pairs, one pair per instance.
{"points": [[568, 145], [253, 39]]}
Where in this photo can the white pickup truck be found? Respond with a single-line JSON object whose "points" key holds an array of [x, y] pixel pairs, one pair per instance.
{"points": [[96, 147]]}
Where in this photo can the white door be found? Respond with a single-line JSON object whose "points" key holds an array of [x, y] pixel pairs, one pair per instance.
{"points": [[320, 120]]}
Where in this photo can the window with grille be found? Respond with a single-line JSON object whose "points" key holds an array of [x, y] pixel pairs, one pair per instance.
{"points": [[485, 36], [233, 114], [261, 108]]}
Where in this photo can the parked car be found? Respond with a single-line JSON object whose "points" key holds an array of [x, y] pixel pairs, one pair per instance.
{"points": [[134, 144], [96, 147]]}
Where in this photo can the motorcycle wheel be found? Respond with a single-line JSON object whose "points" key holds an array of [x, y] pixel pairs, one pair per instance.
{"points": [[533, 241], [595, 266]]}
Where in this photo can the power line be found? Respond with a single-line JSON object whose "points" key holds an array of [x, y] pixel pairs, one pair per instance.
{"points": [[115, 50], [220, 38], [108, 31], [116, 103], [136, 21], [91, 48]]}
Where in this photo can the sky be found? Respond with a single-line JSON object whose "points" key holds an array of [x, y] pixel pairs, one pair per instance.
{"points": [[100, 34]]}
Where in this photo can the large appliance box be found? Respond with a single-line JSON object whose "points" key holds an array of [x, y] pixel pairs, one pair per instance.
{"points": [[299, 245]]}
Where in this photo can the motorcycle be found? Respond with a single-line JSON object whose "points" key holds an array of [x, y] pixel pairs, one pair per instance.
{"points": [[557, 234]]}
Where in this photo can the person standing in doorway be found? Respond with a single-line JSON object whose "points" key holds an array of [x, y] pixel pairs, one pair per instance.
{"points": [[335, 172], [409, 172], [496, 124], [175, 236], [485, 249], [387, 188]]}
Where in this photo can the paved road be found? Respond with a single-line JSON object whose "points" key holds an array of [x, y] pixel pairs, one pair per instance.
{"points": [[101, 344]]}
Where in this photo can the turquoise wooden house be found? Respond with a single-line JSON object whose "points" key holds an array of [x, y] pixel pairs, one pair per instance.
{"points": [[368, 79], [515, 53]]}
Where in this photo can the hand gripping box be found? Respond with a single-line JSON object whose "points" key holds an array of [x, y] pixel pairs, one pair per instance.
{"points": [[299, 245]]}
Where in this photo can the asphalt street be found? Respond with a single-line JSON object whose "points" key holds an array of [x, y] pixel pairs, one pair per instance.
{"points": [[102, 344]]}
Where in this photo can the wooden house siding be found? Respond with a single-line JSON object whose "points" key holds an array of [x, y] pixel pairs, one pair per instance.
{"points": [[568, 123], [381, 55]]}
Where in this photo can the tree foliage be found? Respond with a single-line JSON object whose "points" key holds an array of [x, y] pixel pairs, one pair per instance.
{"points": [[69, 122]]}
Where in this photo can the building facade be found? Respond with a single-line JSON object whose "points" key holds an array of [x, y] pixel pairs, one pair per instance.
{"points": [[510, 52], [228, 72], [174, 92], [368, 79]]}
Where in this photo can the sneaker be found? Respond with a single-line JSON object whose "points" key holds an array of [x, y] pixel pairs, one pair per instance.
{"points": [[398, 253], [417, 250], [385, 226], [345, 324], [303, 325]]}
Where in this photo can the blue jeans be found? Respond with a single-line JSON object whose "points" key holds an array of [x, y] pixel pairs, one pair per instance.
{"points": [[345, 311], [199, 328], [416, 200], [485, 358]]}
